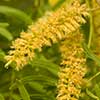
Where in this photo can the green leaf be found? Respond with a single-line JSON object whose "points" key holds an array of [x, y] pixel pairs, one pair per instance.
{"points": [[90, 55], [39, 78], [42, 97], [4, 24], [91, 94], [4, 32], [53, 68], [2, 54], [1, 97], [97, 90], [39, 96], [23, 92], [16, 13], [15, 97], [37, 86]]}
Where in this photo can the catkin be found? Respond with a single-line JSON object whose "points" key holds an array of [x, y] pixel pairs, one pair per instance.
{"points": [[49, 29], [72, 69]]}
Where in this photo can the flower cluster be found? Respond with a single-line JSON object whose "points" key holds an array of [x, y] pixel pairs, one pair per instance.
{"points": [[73, 67], [51, 28], [61, 25]]}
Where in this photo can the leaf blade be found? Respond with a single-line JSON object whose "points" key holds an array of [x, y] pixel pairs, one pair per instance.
{"points": [[23, 92], [15, 12], [4, 32]]}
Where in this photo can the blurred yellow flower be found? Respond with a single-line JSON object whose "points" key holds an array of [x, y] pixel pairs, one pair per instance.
{"points": [[53, 2]]}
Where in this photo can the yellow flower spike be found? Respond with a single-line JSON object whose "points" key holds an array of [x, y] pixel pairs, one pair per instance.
{"points": [[73, 67], [54, 27]]}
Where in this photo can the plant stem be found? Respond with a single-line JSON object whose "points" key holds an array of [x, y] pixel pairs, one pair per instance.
{"points": [[94, 76], [91, 25]]}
